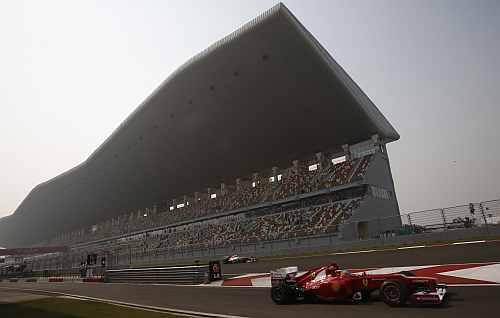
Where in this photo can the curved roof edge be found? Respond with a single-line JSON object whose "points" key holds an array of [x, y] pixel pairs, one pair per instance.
{"points": [[366, 105], [193, 60], [363, 100]]}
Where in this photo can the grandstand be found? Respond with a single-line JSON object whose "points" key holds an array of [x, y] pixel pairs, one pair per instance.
{"points": [[282, 142]]}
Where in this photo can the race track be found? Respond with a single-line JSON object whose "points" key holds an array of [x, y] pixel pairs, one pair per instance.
{"points": [[448, 254], [255, 302]]}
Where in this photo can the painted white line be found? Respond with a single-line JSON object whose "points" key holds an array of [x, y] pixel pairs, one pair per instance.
{"points": [[410, 247], [379, 250], [248, 275], [392, 270], [354, 252], [468, 242], [488, 273], [262, 282], [174, 311]]}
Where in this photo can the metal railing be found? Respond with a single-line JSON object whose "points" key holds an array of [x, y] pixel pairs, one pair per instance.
{"points": [[473, 219], [479, 216], [462, 216], [67, 273], [193, 274]]}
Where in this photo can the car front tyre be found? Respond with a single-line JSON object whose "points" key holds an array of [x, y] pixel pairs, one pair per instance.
{"points": [[394, 293]]}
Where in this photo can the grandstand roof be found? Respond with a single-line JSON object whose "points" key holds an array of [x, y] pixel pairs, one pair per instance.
{"points": [[264, 95]]}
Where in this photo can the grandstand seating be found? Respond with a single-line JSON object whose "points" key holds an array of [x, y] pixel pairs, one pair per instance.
{"points": [[231, 230], [295, 180], [248, 227]]}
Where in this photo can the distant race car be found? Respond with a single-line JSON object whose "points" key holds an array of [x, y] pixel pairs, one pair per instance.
{"points": [[329, 283], [235, 259]]}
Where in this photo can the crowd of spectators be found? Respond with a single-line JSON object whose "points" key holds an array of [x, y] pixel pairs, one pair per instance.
{"points": [[246, 228], [295, 180]]}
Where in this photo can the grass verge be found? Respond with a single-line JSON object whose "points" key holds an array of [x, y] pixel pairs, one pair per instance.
{"points": [[57, 307]]}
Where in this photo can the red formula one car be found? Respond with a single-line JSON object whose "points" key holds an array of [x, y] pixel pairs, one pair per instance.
{"points": [[329, 283]]}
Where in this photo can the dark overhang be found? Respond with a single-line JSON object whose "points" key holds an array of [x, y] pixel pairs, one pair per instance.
{"points": [[264, 95]]}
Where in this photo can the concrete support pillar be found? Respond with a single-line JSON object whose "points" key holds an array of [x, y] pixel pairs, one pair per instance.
{"points": [[275, 171], [347, 152], [320, 158], [377, 143]]}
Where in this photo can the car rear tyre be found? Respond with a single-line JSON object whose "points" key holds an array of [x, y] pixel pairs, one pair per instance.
{"points": [[394, 293], [282, 295]]}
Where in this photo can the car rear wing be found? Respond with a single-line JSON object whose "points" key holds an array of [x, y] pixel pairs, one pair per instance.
{"points": [[285, 274]]}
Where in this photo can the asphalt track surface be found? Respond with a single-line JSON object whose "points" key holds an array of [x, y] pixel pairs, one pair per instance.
{"points": [[447, 254], [255, 302]]}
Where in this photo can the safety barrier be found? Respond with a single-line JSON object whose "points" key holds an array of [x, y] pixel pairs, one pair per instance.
{"points": [[194, 274], [464, 222]]}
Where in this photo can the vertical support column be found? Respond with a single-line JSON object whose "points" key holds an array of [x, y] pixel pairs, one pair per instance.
{"points": [[481, 208], [443, 216], [255, 178], [347, 152], [129, 255], [320, 158], [275, 172], [376, 142]]}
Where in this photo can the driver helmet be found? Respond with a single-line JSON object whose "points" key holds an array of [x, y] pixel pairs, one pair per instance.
{"points": [[331, 269], [345, 273]]}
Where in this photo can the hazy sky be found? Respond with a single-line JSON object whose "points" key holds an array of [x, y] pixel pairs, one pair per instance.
{"points": [[72, 71]]}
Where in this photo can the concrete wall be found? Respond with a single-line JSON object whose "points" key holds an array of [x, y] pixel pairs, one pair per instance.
{"points": [[375, 215], [327, 243]]}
